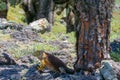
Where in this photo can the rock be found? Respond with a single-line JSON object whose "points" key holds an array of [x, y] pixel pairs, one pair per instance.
{"points": [[63, 22], [98, 75], [47, 76], [15, 77], [61, 44], [66, 45], [28, 59], [7, 31], [4, 24], [41, 25], [77, 76], [26, 35], [3, 20], [54, 43], [19, 72], [64, 38], [19, 36], [116, 67], [7, 59], [60, 78], [108, 72], [7, 72], [8, 44], [117, 7], [10, 72], [32, 74]]}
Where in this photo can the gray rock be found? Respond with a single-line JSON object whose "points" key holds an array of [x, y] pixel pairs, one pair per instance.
{"points": [[28, 59], [7, 59], [47, 76], [64, 45], [41, 25], [116, 67], [64, 38], [7, 31], [98, 75], [12, 25], [9, 44], [3, 20], [26, 35], [10, 71], [15, 77], [108, 72]]}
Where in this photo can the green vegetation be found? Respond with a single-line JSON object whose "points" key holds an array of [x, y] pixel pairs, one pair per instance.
{"points": [[117, 1], [30, 49], [115, 31], [115, 56], [3, 6], [4, 37], [115, 25], [16, 14]]}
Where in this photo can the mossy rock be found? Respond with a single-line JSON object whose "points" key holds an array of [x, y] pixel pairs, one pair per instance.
{"points": [[3, 6]]}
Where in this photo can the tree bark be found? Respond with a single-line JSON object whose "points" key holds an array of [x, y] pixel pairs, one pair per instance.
{"points": [[93, 19], [30, 9], [69, 20], [3, 13]]}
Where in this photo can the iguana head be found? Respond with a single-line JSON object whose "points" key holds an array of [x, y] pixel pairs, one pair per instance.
{"points": [[39, 54]]}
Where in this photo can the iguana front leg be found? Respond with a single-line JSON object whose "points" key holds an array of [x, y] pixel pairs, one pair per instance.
{"points": [[41, 66]]}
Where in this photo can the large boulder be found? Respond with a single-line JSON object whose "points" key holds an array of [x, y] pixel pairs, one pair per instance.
{"points": [[40, 25], [108, 70]]}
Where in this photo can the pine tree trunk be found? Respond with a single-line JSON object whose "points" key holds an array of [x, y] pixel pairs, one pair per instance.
{"points": [[93, 19]]}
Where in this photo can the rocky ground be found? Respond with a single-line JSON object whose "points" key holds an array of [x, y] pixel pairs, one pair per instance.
{"points": [[24, 68]]}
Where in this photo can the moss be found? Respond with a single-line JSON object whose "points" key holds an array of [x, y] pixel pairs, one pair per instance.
{"points": [[115, 56]]}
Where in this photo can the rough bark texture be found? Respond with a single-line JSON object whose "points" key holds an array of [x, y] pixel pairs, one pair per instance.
{"points": [[70, 22], [46, 11], [93, 19], [29, 6]]}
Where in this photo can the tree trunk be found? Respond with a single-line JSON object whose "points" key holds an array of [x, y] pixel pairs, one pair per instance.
{"points": [[93, 19], [3, 8], [30, 8], [69, 20], [46, 11]]}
